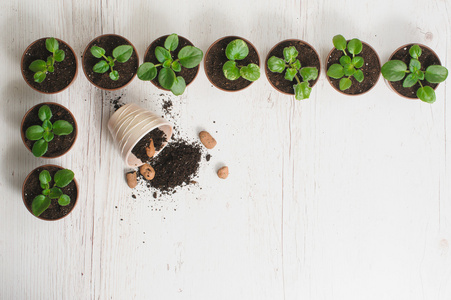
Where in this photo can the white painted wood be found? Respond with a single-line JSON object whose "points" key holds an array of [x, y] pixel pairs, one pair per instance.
{"points": [[329, 198]]}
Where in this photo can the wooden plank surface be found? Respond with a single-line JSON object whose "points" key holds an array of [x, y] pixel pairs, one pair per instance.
{"points": [[334, 197]]}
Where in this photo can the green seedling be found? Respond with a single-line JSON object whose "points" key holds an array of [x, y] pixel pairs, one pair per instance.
{"points": [[41, 67], [238, 50], [292, 65], [61, 179], [45, 133], [120, 54], [396, 70], [188, 57], [348, 67]]}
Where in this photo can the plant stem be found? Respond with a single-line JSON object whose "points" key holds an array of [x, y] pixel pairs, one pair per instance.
{"points": [[297, 79]]}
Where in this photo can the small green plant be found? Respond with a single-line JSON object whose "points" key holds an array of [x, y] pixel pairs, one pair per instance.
{"points": [[45, 133], [348, 67], [41, 67], [120, 54], [238, 50], [292, 65], [188, 57], [396, 70], [61, 179]]}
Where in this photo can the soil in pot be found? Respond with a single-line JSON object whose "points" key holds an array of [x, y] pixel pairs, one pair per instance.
{"points": [[371, 70], [127, 70], [427, 58], [60, 143], [157, 136], [307, 56], [56, 81], [216, 58], [32, 188], [188, 74]]}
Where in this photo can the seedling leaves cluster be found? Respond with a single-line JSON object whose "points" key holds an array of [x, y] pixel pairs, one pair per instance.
{"points": [[41, 67], [238, 50], [120, 54]]}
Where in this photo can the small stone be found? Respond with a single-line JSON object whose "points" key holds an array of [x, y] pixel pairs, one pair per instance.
{"points": [[207, 140], [147, 171], [131, 180], [150, 150], [223, 172]]}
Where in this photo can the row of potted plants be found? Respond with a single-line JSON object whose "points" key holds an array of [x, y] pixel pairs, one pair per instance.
{"points": [[232, 63]]}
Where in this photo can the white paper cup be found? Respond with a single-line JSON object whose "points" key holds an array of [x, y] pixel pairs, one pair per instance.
{"points": [[129, 124]]}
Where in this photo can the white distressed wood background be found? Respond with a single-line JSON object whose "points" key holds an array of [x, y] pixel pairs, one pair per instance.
{"points": [[334, 197]]}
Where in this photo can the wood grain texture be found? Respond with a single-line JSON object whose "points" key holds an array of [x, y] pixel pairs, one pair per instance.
{"points": [[334, 197]]}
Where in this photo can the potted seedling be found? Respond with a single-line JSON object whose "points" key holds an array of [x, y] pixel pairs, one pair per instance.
{"points": [[174, 59], [49, 65], [414, 71], [292, 67], [232, 63], [353, 67], [110, 62], [50, 192], [49, 130]]}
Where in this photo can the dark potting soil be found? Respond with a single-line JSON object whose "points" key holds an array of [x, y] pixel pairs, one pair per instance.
{"points": [[307, 56], [187, 74], [216, 58], [371, 70], [126, 70], [56, 81], [33, 189], [427, 58], [158, 137], [60, 143]]}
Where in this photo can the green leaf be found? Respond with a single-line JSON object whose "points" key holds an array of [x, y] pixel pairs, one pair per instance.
{"points": [[309, 73], [62, 127], [50, 61], [231, 71], [345, 83], [48, 136], [39, 77], [358, 75], [123, 53], [276, 65], [250, 72], [190, 56], [357, 61], [345, 60], [162, 54], [44, 177], [40, 204], [410, 80], [426, 94], [339, 42], [110, 61], [45, 186], [38, 66], [166, 78], [394, 70], [59, 55], [296, 64], [178, 88], [415, 51], [167, 63], [44, 113], [335, 71], [63, 177], [55, 193], [47, 125], [51, 44], [290, 54], [414, 65], [46, 192], [237, 50], [114, 75], [176, 66], [302, 91], [172, 42], [355, 46], [97, 51], [349, 70], [64, 200], [101, 67], [436, 74], [147, 71], [51, 69], [39, 148], [34, 132], [290, 73], [419, 74]]}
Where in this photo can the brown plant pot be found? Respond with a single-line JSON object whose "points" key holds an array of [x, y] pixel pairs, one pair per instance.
{"points": [[307, 56], [57, 81], [188, 74], [216, 57], [371, 70], [60, 145], [32, 188], [127, 70], [428, 57]]}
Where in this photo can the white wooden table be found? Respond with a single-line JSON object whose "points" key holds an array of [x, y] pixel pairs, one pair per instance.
{"points": [[334, 197]]}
